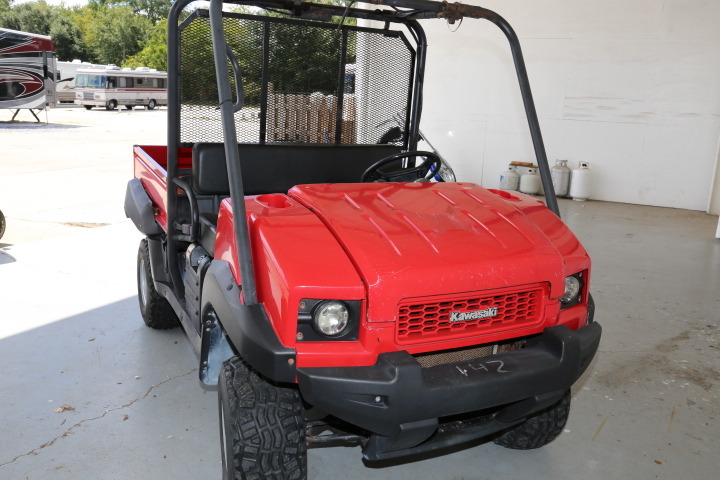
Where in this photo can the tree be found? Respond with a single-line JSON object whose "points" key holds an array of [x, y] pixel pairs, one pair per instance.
{"points": [[32, 17], [68, 38], [301, 60], [114, 34], [4, 7], [154, 10], [43, 19], [154, 52]]}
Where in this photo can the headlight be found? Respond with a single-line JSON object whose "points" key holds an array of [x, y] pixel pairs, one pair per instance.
{"points": [[331, 317], [572, 289], [445, 172]]}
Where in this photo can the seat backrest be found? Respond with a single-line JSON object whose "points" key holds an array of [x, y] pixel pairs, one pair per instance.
{"points": [[276, 168]]}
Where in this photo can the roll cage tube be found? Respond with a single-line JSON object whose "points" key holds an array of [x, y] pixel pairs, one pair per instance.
{"points": [[303, 10], [237, 193], [428, 9], [406, 12], [420, 9]]}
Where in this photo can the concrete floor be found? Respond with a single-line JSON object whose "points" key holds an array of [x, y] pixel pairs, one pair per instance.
{"points": [[71, 335]]}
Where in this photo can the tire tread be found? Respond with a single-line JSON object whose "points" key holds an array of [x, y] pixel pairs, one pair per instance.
{"points": [[538, 430], [157, 314], [268, 434]]}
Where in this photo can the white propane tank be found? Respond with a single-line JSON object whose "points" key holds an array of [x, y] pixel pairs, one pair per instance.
{"points": [[580, 182], [560, 174], [510, 179], [521, 167], [530, 182]]}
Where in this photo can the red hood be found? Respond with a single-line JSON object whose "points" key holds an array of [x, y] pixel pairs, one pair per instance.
{"points": [[427, 239]]}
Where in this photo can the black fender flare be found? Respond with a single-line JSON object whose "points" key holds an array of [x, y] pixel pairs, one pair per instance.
{"points": [[247, 331], [139, 209]]}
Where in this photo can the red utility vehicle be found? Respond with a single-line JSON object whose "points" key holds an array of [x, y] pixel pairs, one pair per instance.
{"points": [[337, 291]]}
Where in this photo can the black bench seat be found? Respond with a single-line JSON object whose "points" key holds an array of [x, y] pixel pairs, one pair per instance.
{"points": [[274, 168]]}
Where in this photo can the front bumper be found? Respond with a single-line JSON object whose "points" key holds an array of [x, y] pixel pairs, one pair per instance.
{"points": [[401, 403]]}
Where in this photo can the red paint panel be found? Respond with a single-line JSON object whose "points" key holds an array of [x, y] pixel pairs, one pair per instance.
{"points": [[150, 162], [12, 41], [294, 255], [402, 245], [425, 239]]}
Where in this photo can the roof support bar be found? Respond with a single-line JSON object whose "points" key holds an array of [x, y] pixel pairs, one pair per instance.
{"points": [[232, 155], [420, 9]]}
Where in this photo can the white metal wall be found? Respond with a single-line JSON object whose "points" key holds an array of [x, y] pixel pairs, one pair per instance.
{"points": [[632, 86]]}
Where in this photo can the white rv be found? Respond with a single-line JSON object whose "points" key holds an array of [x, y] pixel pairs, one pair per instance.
{"points": [[66, 80], [111, 86]]}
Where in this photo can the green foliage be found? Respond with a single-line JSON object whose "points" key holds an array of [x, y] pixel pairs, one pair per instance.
{"points": [[115, 33], [154, 52], [103, 31], [68, 38], [153, 10], [302, 60], [44, 19], [133, 33]]}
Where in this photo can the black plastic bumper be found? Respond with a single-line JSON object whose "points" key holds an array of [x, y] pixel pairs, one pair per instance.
{"points": [[400, 402]]}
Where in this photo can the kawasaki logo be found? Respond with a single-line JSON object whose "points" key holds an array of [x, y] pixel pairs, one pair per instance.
{"points": [[476, 315]]}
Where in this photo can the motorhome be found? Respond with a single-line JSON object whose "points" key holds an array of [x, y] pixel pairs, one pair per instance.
{"points": [[111, 86]]}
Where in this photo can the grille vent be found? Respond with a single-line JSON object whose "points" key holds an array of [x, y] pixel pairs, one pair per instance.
{"points": [[487, 312]]}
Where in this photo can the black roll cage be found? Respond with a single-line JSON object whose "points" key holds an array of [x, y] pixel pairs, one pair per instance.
{"points": [[406, 12]]}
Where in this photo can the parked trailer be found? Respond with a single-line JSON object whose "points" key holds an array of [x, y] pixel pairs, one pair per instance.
{"points": [[27, 71], [66, 79], [112, 86]]}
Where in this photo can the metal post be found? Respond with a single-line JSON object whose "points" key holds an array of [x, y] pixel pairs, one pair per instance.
{"points": [[173, 141], [457, 11], [232, 155]]}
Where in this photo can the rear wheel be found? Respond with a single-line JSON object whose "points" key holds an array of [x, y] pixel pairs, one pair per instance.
{"points": [[155, 309], [128, 107], [538, 430], [2, 224], [111, 105], [262, 429], [151, 105]]}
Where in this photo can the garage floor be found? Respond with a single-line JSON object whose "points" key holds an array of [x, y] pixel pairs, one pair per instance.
{"points": [[86, 391], [71, 336]]}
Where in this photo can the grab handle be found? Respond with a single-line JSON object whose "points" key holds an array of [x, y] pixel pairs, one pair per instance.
{"points": [[239, 90]]}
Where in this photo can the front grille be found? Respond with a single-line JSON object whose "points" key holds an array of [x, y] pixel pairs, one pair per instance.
{"points": [[427, 360], [421, 320], [466, 354]]}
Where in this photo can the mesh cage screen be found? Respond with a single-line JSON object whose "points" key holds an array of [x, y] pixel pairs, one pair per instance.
{"points": [[306, 82]]}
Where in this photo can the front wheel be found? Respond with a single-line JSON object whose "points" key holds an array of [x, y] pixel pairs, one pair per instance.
{"points": [[2, 224], [111, 105], [155, 309], [151, 105], [88, 107], [538, 430], [262, 428], [128, 107]]}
